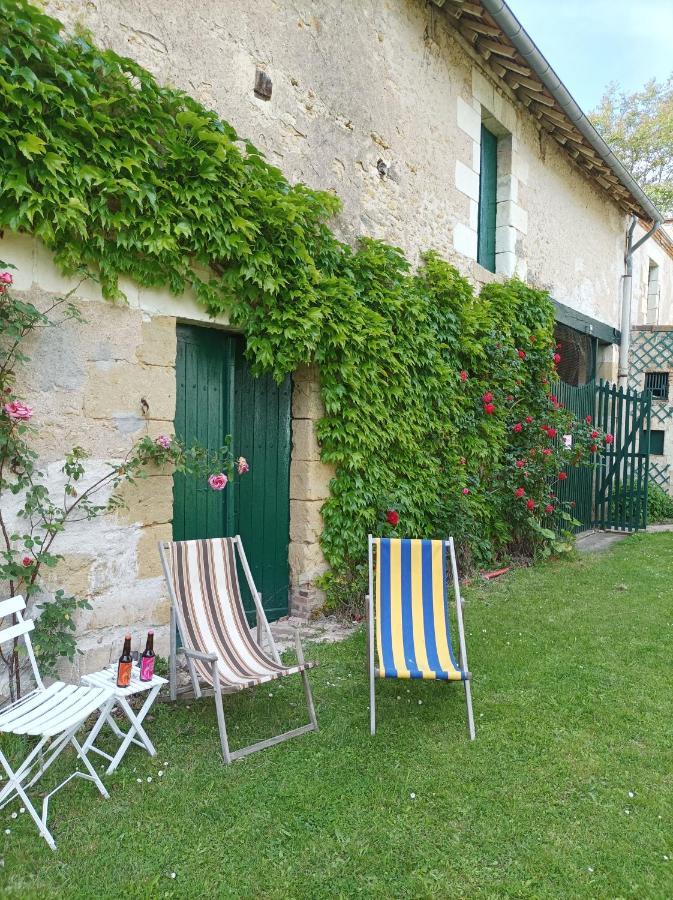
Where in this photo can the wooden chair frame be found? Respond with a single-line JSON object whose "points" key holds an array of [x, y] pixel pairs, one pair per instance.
{"points": [[374, 672], [190, 654]]}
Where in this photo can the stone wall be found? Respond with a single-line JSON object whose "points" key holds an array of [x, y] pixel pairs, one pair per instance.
{"points": [[362, 89], [87, 383]]}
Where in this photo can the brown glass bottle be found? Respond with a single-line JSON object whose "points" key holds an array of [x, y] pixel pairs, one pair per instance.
{"points": [[125, 664], [148, 658]]}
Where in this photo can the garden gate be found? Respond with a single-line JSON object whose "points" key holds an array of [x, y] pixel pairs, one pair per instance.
{"points": [[613, 493]]}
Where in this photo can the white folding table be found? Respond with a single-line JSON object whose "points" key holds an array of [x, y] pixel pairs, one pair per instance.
{"points": [[108, 678]]}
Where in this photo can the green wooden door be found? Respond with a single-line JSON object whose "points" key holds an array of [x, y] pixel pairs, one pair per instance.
{"points": [[216, 396]]}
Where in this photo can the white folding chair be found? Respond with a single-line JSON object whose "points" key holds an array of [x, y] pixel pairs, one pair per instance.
{"points": [[54, 714]]}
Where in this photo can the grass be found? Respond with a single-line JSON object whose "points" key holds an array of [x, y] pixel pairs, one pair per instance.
{"points": [[567, 791]]}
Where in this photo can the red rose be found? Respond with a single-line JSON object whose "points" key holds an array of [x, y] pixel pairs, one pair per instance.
{"points": [[488, 396], [530, 505], [551, 432], [518, 427], [547, 451], [529, 419], [489, 409], [588, 420], [509, 398], [553, 399], [26, 561], [557, 358], [392, 517], [544, 427], [594, 448], [549, 508], [562, 476], [463, 375], [519, 492], [594, 434], [519, 464], [522, 354], [609, 438]]}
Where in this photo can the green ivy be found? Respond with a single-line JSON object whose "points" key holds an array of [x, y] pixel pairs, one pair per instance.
{"points": [[127, 178]]}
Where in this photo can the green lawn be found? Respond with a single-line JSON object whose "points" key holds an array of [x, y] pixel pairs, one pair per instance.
{"points": [[567, 791]]}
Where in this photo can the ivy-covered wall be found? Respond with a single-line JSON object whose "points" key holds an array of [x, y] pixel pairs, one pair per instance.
{"points": [[439, 406]]}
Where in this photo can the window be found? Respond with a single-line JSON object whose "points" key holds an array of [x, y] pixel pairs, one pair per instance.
{"points": [[653, 294], [488, 186], [657, 384], [578, 355], [656, 442]]}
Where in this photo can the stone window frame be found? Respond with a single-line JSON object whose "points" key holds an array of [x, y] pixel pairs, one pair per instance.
{"points": [[488, 107]]}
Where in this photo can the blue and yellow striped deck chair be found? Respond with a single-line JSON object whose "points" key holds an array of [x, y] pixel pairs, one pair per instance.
{"points": [[408, 615]]}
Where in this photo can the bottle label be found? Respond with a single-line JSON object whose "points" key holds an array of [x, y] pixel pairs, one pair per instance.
{"points": [[124, 674], [146, 668]]}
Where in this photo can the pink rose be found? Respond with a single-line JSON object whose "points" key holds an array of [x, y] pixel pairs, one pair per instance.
{"points": [[517, 427], [6, 278], [466, 490], [26, 561], [242, 465], [519, 464], [218, 482], [18, 411], [163, 440]]}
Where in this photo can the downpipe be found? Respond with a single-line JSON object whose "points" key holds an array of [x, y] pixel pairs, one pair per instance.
{"points": [[627, 296]]}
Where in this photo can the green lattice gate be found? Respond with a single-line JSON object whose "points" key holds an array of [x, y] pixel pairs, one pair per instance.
{"points": [[612, 493], [623, 471]]}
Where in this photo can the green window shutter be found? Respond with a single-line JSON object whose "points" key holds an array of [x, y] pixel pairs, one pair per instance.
{"points": [[488, 185]]}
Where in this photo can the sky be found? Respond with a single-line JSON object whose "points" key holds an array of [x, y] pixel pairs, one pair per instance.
{"points": [[590, 43]]}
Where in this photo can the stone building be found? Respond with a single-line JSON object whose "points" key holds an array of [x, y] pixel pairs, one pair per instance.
{"points": [[437, 131]]}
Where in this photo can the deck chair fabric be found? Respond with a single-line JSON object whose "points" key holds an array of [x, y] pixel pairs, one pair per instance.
{"points": [[408, 615], [219, 647], [52, 714], [205, 582]]}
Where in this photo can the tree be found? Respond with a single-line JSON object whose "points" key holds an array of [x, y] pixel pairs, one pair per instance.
{"points": [[639, 128]]}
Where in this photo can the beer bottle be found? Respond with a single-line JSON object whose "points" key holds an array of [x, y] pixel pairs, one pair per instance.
{"points": [[125, 664], [148, 658]]}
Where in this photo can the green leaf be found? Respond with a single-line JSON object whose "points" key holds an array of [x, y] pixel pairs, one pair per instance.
{"points": [[30, 144]]}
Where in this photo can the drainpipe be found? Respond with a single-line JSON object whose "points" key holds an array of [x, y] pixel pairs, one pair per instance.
{"points": [[627, 293]]}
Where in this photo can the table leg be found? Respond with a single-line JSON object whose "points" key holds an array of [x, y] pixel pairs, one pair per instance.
{"points": [[136, 728], [105, 714]]}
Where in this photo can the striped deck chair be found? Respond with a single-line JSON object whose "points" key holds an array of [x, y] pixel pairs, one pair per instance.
{"points": [[217, 642], [408, 615]]}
